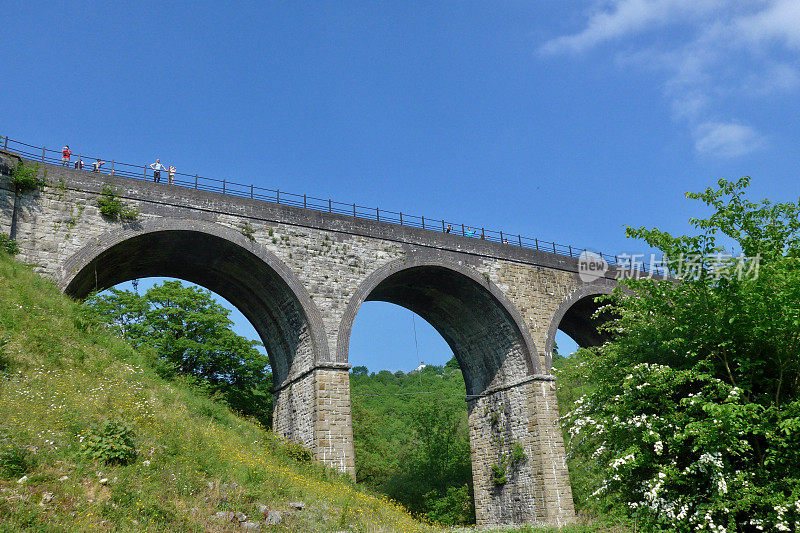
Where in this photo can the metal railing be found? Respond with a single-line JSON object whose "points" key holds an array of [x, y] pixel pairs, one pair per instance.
{"points": [[276, 196]]}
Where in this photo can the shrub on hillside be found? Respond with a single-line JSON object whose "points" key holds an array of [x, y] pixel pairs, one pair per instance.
{"points": [[111, 442], [15, 461], [455, 507], [297, 451], [8, 245]]}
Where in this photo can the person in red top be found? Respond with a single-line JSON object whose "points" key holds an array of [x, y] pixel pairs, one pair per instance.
{"points": [[65, 153]]}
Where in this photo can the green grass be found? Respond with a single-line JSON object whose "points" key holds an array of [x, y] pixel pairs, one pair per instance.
{"points": [[61, 371]]}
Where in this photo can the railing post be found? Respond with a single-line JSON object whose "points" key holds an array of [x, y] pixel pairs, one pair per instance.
{"points": [[570, 250], [144, 174], [423, 222], [330, 206], [483, 234], [277, 196], [501, 237], [536, 241], [305, 201], [554, 247], [42, 154], [463, 231], [443, 230], [5, 143], [251, 191], [112, 167], [195, 181], [378, 214], [223, 186], [354, 210], [401, 219]]}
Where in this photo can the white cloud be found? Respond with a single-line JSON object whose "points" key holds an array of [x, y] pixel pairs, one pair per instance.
{"points": [[779, 22], [726, 139], [706, 52], [626, 17], [775, 78]]}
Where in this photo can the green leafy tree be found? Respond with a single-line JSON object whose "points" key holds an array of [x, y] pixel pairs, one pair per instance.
{"points": [[360, 371], [437, 467], [452, 363], [192, 335], [694, 422], [412, 443]]}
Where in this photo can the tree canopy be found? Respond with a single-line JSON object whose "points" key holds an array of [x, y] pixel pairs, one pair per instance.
{"points": [[191, 333]]}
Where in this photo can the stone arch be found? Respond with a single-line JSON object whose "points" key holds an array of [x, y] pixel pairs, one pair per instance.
{"points": [[574, 317], [484, 329], [221, 259]]}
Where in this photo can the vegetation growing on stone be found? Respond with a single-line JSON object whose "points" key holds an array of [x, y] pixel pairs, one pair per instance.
{"points": [[112, 206], [26, 178], [247, 230]]}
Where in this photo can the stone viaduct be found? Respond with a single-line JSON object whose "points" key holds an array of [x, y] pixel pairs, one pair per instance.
{"points": [[301, 275]]}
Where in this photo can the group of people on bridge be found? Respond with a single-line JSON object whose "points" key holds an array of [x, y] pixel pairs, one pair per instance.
{"points": [[66, 154], [157, 167]]}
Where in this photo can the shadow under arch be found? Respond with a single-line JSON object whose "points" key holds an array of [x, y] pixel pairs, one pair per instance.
{"points": [[221, 259], [575, 318], [486, 332]]}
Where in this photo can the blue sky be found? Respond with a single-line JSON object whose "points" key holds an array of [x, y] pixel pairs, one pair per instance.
{"points": [[565, 120]]}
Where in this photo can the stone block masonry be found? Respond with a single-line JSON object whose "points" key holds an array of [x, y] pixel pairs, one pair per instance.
{"points": [[300, 276]]}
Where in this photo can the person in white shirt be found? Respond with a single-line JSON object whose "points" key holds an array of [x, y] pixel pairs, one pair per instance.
{"points": [[157, 168], [96, 166]]}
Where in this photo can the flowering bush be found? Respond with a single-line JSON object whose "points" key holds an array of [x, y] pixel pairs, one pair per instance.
{"points": [[110, 442], [685, 451], [693, 420]]}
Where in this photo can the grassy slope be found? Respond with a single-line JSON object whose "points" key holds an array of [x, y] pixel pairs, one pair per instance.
{"points": [[64, 371]]}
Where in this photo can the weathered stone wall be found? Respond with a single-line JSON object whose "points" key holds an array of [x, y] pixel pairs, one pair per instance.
{"points": [[293, 411], [8, 163], [6, 210], [300, 276], [333, 425], [512, 488]]}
